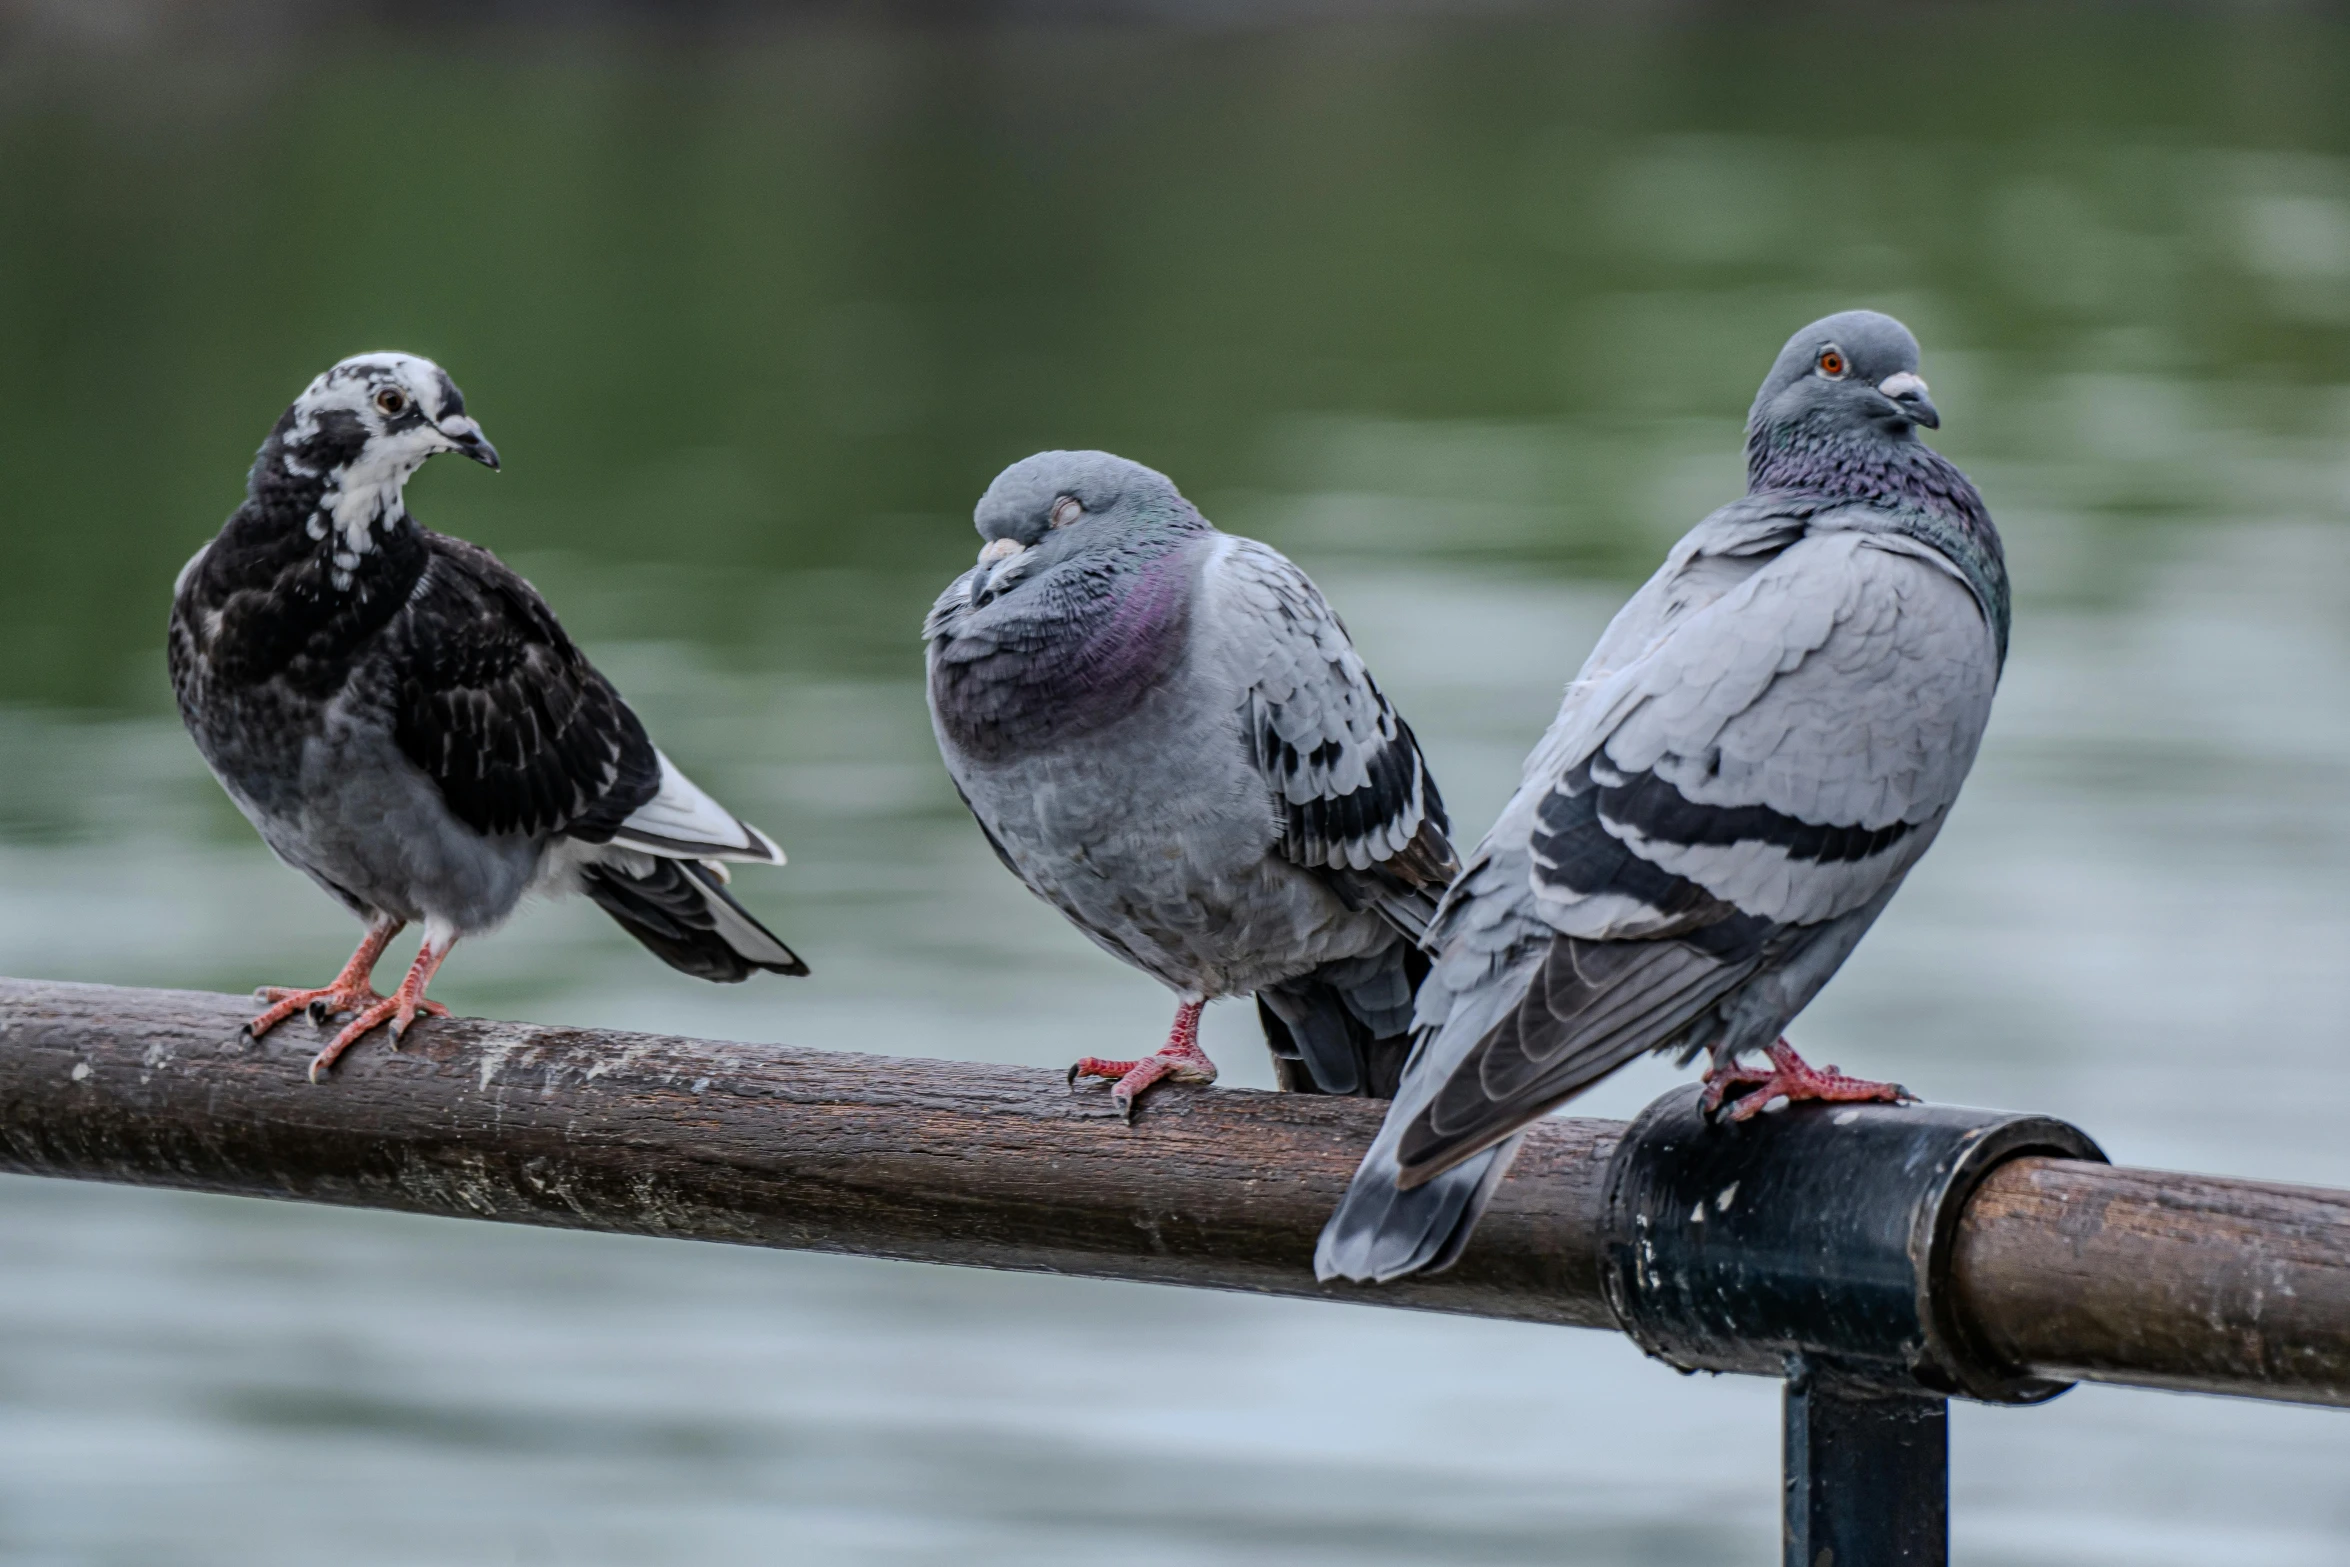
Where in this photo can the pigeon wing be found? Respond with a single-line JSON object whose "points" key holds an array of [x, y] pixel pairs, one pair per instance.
{"points": [[1351, 794], [496, 705], [1767, 759]]}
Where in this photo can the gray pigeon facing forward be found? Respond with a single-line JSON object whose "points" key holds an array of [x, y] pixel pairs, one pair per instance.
{"points": [[1765, 740], [1167, 735], [406, 723]]}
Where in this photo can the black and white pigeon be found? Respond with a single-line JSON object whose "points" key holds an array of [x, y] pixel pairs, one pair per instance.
{"points": [[1167, 735], [406, 723], [1766, 739]]}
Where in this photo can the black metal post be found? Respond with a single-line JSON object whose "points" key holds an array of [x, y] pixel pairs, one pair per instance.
{"points": [[1867, 1474], [1816, 1245]]}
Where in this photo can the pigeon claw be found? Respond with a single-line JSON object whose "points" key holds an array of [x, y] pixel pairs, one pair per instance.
{"points": [[321, 1004], [1118, 1072], [1791, 1080], [1179, 1058], [1184, 1065], [352, 990], [401, 1010]]}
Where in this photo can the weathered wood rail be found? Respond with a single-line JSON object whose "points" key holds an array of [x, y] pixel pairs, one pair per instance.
{"points": [[2061, 1269]]}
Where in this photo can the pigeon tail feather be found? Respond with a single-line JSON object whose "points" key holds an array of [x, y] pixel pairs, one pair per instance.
{"points": [[1319, 1047], [1382, 1232], [682, 913], [1346, 1027]]}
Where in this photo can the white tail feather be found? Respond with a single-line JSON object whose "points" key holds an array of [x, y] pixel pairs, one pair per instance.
{"points": [[682, 822]]}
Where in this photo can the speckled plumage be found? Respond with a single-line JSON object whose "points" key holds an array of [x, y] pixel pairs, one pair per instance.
{"points": [[1166, 734], [1766, 739], [403, 719]]}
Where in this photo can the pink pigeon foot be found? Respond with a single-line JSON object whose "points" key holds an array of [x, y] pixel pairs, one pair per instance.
{"points": [[1793, 1079], [1180, 1058], [349, 991], [400, 1009]]}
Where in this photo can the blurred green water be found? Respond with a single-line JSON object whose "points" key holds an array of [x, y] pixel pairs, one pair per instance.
{"points": [[1463, 316], [742, 306]]}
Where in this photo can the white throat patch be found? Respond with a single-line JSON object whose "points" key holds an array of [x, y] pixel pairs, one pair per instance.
{"points": [[366, 494]]}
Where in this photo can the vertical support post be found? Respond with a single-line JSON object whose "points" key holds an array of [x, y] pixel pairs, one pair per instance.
{"points": [[1867, 1473]]}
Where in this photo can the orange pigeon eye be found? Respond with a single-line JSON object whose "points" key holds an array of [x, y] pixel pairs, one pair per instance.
{"points": [[391, 400], [1831, 363]]}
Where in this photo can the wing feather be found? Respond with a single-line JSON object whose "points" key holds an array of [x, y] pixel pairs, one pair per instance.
{"points": [[1351, 793], [503, 712], [682, 819]]}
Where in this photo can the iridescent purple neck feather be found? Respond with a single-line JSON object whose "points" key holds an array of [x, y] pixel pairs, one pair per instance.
{"points": [[1920, 491], [1077, 647]]}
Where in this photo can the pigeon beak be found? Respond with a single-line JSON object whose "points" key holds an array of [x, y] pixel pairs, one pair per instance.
{"points": [[1908, 393], [464, 435], [997, 562]]}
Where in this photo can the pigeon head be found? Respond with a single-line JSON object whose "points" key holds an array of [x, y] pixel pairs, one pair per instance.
{"points": [[375, 418], [341, 454], [1853, 375], [1046, 508]]}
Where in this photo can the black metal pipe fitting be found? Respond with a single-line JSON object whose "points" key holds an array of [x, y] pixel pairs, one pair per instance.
{"points": [[1822, 1232]]}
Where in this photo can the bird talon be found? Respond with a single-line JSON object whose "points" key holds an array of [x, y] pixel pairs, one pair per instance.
{"points": [[1180, 1058], [1790, 1080]]}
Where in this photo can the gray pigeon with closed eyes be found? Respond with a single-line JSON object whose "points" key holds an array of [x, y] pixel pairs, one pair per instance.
{"points": [[1167, 735], [1766, 739]]}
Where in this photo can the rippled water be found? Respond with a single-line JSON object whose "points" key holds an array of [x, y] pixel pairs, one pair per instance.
{"points": [[1463, 319]]}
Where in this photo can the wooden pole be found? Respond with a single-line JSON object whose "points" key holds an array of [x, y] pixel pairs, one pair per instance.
{"points": [[2095, 1273], [2064, 1269], [764, 1145]]}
